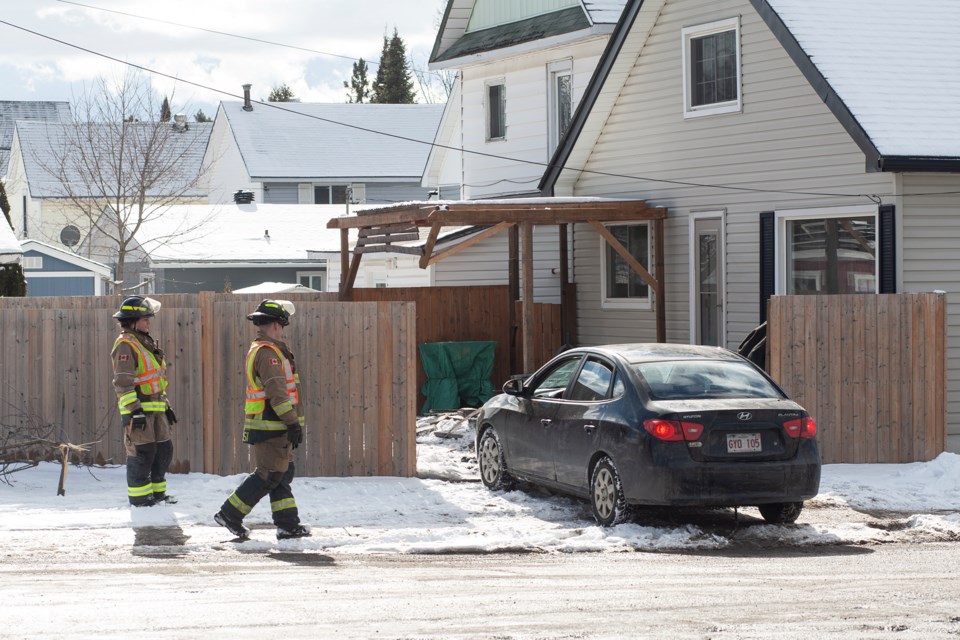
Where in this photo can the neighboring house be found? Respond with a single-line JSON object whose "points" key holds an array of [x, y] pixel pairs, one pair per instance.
{"points": [[43, 196], [297, 153], [13, 110], [225, 247], [54, 271], [522, 67], [796, 150]]}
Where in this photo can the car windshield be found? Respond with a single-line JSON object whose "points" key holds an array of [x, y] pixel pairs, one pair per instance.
{"points": [[689, 379]]}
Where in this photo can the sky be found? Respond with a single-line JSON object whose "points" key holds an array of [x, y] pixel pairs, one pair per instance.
{"points": [[335, 31], [447, 510]]}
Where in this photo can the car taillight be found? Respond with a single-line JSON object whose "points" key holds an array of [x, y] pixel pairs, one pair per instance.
{"points": [[801, 428], [672, 430]]}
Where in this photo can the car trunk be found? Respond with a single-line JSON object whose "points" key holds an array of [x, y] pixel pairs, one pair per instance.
{"points": [[737, 430]]}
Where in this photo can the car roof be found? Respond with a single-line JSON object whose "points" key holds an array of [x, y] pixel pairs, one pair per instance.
{"points": [[662, 351]]}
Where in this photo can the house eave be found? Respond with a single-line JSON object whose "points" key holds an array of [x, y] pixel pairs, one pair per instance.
{"points": [[918, 164], [523, 48]]}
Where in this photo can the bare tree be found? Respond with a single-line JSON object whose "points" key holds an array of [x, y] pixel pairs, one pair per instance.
{"points": [[117, 167]]}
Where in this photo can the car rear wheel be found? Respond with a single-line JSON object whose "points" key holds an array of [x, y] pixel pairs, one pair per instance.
{"points": [[606, 494], [493, 469], [781, 512]]}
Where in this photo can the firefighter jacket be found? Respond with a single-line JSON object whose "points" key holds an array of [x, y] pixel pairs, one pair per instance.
{"points": [[139, 373], [273, 391]]}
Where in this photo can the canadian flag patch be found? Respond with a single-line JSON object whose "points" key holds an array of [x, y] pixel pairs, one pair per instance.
{"points": [[274, 361], [123, 357]]}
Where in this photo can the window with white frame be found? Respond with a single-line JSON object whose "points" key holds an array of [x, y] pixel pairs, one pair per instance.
{"points": [[496, 106], [313, 279], [828, 251], [711, 68], [560, 98], [621, 285]]}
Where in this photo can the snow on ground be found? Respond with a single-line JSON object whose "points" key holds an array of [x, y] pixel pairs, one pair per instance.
{"points": [[447, 510]]}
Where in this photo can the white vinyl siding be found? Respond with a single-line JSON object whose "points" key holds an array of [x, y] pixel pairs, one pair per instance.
{"points": [[785, 140], [491, 13]]}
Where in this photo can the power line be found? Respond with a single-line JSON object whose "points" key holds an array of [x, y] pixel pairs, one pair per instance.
{"points": [[274, 105]]}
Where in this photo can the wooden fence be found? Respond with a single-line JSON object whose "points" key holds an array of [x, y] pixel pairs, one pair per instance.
{"points": [[358, 361], [871, 369]]}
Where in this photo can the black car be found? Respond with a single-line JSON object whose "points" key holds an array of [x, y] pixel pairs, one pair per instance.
{"points": [[652, 424]]}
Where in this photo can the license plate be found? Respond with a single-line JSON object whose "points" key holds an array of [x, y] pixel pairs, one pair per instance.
{"points": [[743, 442]]}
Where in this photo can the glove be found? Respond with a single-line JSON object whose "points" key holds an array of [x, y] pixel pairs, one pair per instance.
{"points": [[295, 436], [138, 420], [171, 416]]}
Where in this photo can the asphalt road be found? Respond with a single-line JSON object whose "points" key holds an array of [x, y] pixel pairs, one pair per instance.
{"points": [[897, 590]]}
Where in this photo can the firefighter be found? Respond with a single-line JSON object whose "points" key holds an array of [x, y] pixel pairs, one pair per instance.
{"points": [[273, 426], [140, 380]]}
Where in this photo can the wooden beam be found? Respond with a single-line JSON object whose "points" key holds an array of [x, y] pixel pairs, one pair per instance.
{"points": [[408, 216], [541, 216], [428, 246], [344, 258], [526, 259], [389, 248], [565, 301], [387, 238], [513, 282], [622, 251], [466, 244], [351, 277], [661, 290]]}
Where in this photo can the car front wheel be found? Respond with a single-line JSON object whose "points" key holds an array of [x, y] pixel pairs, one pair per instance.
{"points": [[493, 469], [781, 512], [606, 494]]}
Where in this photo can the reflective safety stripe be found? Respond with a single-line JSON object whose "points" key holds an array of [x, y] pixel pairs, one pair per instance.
{"points": [[154, 407], [239, 504], [256, 395], [160, 487], [139, 492], [280, 505], [127, 399], [263, 425], [282, 408]]}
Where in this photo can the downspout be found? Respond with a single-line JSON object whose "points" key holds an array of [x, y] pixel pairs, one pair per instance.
{"points": [[25, 236]]}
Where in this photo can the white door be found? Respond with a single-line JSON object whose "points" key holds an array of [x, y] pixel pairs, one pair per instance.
{"points": [[708, 279]]}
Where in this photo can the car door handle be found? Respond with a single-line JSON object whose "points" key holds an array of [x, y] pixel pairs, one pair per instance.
{"points": [[589, 428], [546, 421]]}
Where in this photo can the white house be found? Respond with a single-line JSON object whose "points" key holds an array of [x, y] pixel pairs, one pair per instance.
{"points": [[797, 145], [290, 152]]}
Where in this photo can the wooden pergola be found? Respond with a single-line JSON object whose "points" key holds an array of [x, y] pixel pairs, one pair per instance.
{"points": [[381, 230]]}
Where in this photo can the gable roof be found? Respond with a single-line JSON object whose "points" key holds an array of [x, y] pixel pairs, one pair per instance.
{"points": [[299, 140], [454, 42], [13, 110], [67, 256], [40, 143], [898, 102]]}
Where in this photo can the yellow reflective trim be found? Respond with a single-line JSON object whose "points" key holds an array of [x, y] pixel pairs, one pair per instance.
{"points": [[263, 425], [240, 505], [160, 487], [154, 407], [301, 421], [139, 492], [280, 505], [282, 408], [127, 398]]}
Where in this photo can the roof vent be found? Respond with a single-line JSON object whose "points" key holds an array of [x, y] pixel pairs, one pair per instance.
{"points": [[180, 122], [243, 197], [247, 105]]}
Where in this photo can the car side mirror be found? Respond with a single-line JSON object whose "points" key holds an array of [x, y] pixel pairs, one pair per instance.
{"points": [[513, 387]]}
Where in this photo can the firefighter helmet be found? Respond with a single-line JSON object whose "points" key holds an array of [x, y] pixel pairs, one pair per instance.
{"points": [[274, 310], [137, 307]]}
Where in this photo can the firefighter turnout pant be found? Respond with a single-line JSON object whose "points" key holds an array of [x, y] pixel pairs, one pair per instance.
{"points": [[273, 475], [149, 454]]}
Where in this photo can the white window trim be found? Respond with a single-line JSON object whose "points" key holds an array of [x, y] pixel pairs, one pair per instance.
{"points": [[686, 34], [623, 303], [555, 70], [780, 241], [492, 82], [716, 214], [323, 277]]}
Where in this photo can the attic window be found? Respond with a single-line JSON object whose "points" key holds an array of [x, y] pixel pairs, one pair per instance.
{"points": [[33, 262], [711, 68]]}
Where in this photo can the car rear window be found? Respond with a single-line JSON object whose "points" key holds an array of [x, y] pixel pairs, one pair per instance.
{"points": [[689, 379]]}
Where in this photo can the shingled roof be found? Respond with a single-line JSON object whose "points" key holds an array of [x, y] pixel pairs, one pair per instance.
{"points": [[13, 110]]}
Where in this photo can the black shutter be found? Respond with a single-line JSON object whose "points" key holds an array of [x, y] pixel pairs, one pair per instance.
{"points": [[887, 245], [768, 269]]}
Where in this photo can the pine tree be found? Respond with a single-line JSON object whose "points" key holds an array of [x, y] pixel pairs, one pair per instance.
{"points": [[165, 111], [12, 282], [358, 89], [200, 116], [283, 93], [394, 82], [5, 204]]}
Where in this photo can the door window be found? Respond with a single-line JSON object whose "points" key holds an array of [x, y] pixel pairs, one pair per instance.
{"points": [[556, 380], [593, 382]]}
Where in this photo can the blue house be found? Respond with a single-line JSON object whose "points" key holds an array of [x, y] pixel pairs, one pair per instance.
{"points": [[52, 271]]}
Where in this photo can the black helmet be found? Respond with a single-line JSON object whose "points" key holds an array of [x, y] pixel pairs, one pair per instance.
{"points": [[274, 310], [137, 307]]}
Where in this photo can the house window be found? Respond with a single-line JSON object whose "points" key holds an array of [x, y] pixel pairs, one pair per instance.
{"points": [[621, 285], [711, 68], [335, 194], [313, 279], [496, 111], [560, 97], [33, 262], [828, 251]]}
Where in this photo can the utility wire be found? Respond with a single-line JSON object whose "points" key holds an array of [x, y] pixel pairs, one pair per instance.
{"points": [[276, 105]]}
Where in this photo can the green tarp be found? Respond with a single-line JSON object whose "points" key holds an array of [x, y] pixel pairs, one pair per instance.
{"points": [[458, 374]]}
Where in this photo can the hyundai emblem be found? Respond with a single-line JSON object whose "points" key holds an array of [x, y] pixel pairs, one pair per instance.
{"points": [[744, 415]]}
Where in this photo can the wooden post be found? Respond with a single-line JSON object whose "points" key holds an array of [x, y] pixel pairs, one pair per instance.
{"points": [[661, 291], [211, 425], [513, 280], [526, 238], [344, 261]]}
